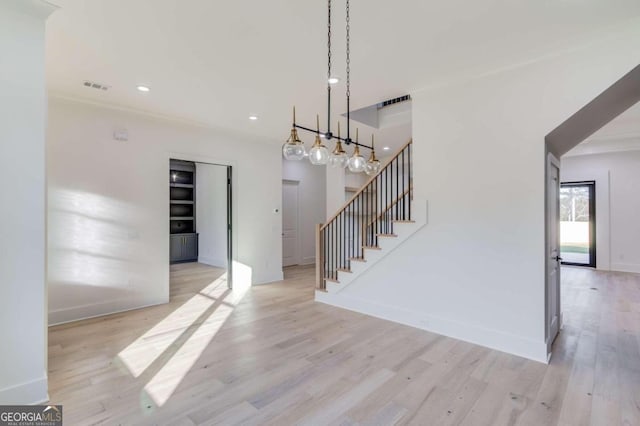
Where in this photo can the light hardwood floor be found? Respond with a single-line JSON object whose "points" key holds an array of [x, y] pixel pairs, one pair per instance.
{"points": [[276, 357]]}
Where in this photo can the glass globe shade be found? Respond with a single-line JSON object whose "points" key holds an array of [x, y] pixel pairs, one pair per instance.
{"points": [[319, 155], [339, 160], [357, 163], [372, 168], [293, 151]]}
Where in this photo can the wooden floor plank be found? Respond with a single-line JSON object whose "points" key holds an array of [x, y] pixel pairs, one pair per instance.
{"points": [[277, 357]]}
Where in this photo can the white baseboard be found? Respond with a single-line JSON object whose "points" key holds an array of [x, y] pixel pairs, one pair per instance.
{"points": [[93, 310], [626, 267], [34, 392], [212, 261], [310, 260], [269, 279], [494, 339]]}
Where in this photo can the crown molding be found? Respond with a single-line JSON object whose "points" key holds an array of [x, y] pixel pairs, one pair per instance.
{"points": [[613, 137], [605, 146], [122, 108], [36, 8], [579, 43], [235, 133]]}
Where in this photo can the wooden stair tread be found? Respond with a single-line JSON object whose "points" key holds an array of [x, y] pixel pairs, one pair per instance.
{"points": [[371, 247], [333, 280], [404, 221], [344, 270], [387, 235], [358, 259]]}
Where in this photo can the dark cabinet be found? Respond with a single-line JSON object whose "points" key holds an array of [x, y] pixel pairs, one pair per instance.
{"points": [[191, 247], [177, 241], [182, 212], [184, 247]]}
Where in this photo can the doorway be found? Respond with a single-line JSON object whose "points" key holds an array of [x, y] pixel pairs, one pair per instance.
{"points": [[200, 217], [578, 223], [552, 308], [615, 100], [290, 223]]}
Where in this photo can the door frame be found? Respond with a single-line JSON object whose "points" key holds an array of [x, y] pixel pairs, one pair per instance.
{"points": [[229, 227], [232, 209], [551, 161], [298, 242], [591, 184]]}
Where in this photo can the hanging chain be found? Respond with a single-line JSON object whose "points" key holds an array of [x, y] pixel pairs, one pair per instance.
{"points": [[348, 52], [329, 40]]}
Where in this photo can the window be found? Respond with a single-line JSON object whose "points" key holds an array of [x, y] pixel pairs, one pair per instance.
{"points": [[577, 223]]}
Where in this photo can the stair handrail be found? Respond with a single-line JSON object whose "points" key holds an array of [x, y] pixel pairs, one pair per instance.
{"points": [[365, 217], [361, 190], [390, 206]]}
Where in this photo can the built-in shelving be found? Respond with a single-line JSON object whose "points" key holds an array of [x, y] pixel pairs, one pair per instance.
{"points": [[182, 204]]}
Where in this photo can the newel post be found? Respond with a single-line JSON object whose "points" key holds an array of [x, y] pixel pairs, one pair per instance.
{"points": [[319, 258]]}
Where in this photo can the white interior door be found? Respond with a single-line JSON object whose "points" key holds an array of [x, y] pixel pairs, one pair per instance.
{"points": [[553, 252], [290, 224]]}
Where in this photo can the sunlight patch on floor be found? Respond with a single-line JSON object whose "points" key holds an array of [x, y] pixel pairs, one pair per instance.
{"points": [[165, 382], [167, 352], [140, 354]]}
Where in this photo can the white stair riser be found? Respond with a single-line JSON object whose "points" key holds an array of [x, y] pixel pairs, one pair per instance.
{"points": [[387, 243], [333, 287], [402, 230], [372, 255], [358, 267], [345, 277]]}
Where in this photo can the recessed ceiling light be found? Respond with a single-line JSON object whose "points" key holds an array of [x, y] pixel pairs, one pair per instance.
{"points": [[334, 80], [386, 148], [253, 117], [143, 88]]}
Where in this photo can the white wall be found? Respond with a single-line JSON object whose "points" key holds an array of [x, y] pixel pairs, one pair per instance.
{"points": [[312, 202], [617, 177], [335, 183], [477, 270], [23, 357], [211, 214], [355, 180], [109, 212]]}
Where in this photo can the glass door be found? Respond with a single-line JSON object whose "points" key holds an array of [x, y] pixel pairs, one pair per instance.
{"points": [[578, 223]]}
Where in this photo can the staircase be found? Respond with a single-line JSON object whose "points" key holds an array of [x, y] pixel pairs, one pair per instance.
{"points": [[377, 219]]}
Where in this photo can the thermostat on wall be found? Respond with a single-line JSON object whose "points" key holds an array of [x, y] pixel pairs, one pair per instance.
{"points": [[121, 135]]}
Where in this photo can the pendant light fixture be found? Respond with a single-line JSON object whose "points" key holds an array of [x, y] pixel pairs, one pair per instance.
{"points": [[339, 157], [373, 165], [318, 154], [293, 149], [357, 162]]}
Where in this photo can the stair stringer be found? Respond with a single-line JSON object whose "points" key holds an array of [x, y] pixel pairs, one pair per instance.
{"points": [[387, 244]]}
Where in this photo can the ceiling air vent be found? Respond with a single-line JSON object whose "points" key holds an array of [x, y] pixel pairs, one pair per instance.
{"points": [[95, 85], [394, 101]]}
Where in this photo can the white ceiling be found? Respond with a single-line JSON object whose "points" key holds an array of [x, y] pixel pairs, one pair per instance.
{"points": [[620, 134], [215, 63], [626, 125]]}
